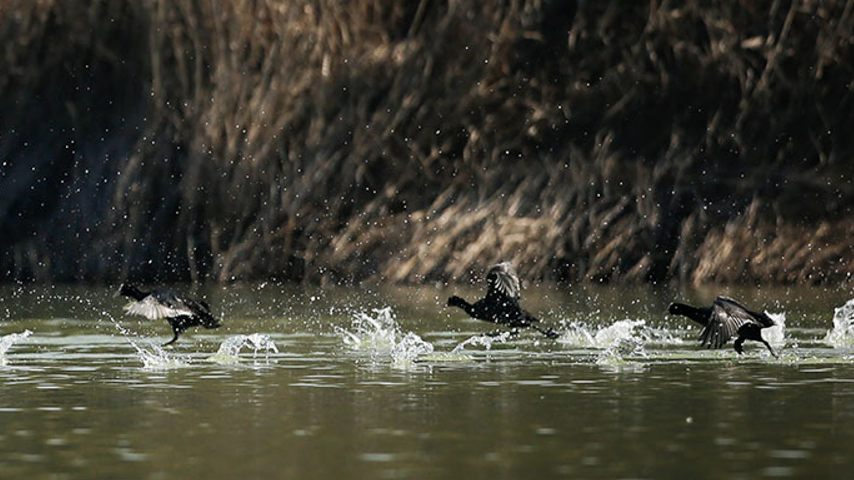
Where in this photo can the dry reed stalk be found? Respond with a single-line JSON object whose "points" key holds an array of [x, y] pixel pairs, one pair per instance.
{"points": [[421, 141]]}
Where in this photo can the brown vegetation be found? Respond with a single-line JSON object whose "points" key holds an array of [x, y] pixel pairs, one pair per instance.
{"points": [[412, 141]]}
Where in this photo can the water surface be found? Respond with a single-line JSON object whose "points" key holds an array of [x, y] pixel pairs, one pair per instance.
{"points": [[387, 383]]}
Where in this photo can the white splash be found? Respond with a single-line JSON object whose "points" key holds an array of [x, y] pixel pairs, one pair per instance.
{"points": [[375, 334], [229, 349], [380, 336], [776, 335], [580, 335], [154, 357], [7, 341], [622, 354], [842, 334], [485, 341], [409, 348], [626, 347]]}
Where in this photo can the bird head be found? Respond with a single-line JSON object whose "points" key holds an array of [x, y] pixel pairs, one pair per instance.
{"points": [[455, 301]]}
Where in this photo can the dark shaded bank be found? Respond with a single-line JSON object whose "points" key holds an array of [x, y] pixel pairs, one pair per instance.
{"points": [[412, 141]]}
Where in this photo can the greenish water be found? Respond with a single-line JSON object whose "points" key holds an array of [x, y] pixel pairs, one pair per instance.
{"points": [[354, 390]]}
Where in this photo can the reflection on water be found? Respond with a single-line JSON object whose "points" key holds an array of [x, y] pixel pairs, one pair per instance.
{"points": [[393, 385]]}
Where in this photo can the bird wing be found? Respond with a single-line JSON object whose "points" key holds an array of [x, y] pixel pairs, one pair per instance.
{"points": [[726, 318], [762, 319], [150, 308], [502, 280], [203, 311]]}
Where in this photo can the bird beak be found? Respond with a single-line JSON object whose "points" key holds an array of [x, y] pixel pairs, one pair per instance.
{"points": [[117, 292]]}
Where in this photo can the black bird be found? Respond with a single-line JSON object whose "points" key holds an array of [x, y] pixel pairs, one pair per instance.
{"points": [[501, 304], [181, 312], [725, 319]]}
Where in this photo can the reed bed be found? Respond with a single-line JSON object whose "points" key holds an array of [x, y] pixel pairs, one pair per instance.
{"points": [[421, 141]]}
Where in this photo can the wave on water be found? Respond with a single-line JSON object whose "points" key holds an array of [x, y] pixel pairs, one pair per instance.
{"points": [[229, 350], [7, 341], [842, 334], [381, 337]]}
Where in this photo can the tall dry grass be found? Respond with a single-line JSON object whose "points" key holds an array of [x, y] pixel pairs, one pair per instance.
{"points": [[413, 141]]}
